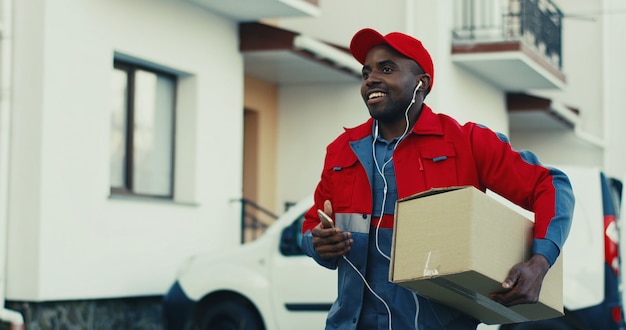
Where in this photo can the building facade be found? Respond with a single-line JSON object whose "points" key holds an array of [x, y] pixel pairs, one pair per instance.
{"points": [[133, 130]]}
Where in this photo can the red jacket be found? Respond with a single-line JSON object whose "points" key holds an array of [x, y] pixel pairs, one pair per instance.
{"points": [[439, 152]]}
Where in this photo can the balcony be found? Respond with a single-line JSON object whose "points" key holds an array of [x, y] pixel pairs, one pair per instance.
{"points": [[513, 44], [255, 10], [535, 113], [285, 57]]}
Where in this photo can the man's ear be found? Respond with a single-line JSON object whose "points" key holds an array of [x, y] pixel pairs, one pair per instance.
{"points": [[425, 79]]}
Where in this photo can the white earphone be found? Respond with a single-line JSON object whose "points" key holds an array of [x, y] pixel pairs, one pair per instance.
{"points": [[415, 92]]}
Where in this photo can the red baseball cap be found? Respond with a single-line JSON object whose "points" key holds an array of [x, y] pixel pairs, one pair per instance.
{"points": [[406, 45]]}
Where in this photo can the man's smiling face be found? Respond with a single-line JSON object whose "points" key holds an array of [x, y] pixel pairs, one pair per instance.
{"points": [[388, 81]]}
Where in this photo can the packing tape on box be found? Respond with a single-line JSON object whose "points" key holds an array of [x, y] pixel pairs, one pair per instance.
{"points": [[429, 271]]}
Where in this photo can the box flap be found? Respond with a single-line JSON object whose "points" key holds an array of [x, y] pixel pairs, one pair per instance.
{"points": [[433, 191]]}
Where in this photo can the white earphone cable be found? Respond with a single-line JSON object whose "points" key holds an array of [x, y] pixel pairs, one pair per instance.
{"points": [[371, 290], [381, 170]]}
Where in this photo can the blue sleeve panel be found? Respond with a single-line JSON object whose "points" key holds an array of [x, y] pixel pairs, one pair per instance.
{"points": [[547, 249], [559, 227]]}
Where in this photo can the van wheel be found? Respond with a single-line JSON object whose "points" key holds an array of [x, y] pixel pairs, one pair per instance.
{"points": [[229, 315]]}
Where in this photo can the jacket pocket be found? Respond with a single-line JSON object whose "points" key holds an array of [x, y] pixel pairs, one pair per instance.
{"points": [[342, 174], [438, 162]]}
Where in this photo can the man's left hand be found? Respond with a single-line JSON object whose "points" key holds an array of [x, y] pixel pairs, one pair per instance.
{"points": [[523, 284]]}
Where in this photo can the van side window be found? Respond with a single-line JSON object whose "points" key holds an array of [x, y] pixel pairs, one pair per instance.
{"points": [[291, 238]]}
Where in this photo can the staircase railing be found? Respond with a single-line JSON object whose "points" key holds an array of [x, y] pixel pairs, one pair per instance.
{"points": [[254, 219]]}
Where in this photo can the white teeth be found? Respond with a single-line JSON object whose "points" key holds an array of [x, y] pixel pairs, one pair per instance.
{"points": [[376, 94]]}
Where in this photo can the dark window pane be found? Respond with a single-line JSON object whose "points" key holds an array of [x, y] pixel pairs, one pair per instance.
{"points": [[142, 131]]}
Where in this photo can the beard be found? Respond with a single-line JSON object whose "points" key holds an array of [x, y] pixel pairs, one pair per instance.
{"points": [[389, 111]]}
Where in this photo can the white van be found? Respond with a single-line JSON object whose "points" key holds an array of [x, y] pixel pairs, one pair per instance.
{"points": [[265, 284]]}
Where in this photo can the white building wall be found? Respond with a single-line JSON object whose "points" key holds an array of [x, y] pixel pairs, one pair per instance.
{"points": [[614, 18], [310, 117], [572, 150], [24, 195], [68, 238]]}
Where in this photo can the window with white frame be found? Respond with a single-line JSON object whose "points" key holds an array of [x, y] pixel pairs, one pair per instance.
{"points": [[142, 131]]}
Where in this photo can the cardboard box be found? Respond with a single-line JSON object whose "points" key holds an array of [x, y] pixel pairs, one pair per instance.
{"points": [[457, 245]]}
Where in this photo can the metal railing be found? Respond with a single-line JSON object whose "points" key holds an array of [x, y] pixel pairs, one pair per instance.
{"points": [[537, 23], [254, 219]]}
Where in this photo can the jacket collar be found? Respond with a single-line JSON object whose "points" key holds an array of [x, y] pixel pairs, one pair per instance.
{"points": [[428, 123]]}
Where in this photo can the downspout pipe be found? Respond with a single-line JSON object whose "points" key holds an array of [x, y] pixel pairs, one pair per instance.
{"points": [[14, 318]]}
